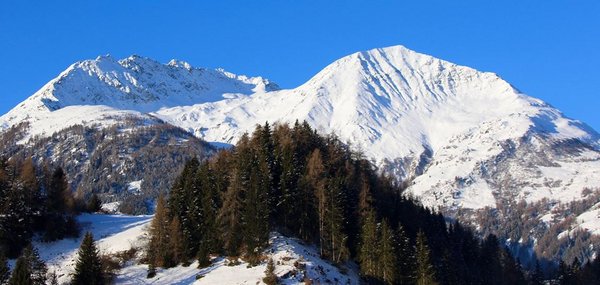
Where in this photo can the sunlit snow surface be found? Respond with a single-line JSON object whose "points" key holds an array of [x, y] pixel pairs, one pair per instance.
{"points": [[115, 233], [447, 126]]}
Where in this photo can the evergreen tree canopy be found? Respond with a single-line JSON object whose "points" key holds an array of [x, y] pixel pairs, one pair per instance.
{"points": [[425, 273], [88, 269], [29, 269], [294, 181]]}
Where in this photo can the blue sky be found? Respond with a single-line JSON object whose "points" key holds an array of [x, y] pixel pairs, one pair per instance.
{"points": [[548, 49]]}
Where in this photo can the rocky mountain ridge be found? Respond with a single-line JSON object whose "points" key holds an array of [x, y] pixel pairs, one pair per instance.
{"points": [[464, 141]]}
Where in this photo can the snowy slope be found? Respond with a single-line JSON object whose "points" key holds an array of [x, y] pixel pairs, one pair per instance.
{"points": [[392, 102], [465, 139], [118, 233], [410, 113], [113, 233], [135, 83], [285, 252]]}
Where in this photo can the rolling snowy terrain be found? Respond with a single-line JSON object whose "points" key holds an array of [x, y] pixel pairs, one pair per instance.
{"points": [[119, 233], [466, 141]]}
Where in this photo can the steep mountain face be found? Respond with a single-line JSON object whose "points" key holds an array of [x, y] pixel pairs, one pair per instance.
{"points": [[466, 142], [132, 84], [128, 162]]}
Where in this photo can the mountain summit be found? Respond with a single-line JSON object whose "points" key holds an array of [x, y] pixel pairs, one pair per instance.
{"points": [[464, 141]]}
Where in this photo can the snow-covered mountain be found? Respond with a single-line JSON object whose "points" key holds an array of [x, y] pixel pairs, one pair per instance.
{"points": [[467, 141], [131, 85]]}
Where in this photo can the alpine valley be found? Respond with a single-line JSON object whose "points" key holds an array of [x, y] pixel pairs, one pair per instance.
{"points": [[462, 142]]}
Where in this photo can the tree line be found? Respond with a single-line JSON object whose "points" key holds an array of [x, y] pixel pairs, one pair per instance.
{"points": [[30, 269], [35, 201], [294, 181]]}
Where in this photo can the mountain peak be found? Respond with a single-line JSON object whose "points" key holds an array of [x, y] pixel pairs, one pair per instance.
{"points": [[180, 63]]}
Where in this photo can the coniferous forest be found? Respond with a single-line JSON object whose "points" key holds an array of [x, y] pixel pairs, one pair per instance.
{"points": [[291, 180], [34, 201]]}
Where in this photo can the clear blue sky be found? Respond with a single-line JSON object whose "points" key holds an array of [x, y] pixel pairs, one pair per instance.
{"points": [[547, 48]]}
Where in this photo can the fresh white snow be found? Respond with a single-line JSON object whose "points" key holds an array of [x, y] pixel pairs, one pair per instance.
{"points": [[135, 187], [442, 125], [113, 233], [118, 233]]}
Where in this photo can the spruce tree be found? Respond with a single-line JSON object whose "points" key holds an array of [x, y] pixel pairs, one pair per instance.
{"points": [[315, 177], [94, 204], [288, 194], [236, 216], [209, 203], [32, 192], [21, 274], [60, 206], [424, 273], [180, 202], [255, 214], [369, 247], [388, 261], [336, 237], [16, 220], [29, 269], [406, 257], [491, 253], [88, 269], [229, 218]]}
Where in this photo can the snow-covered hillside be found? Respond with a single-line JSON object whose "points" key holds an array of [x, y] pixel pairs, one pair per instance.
{"points": [[466, 140], [295, 261], [134, 84], [412, 114]]}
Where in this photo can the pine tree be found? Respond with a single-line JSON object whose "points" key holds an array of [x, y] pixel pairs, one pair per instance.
{"points": [[179, 196], [288, 194], [369, 247], [265, 156], [315, 177], [16, 220], [425, 273], [21, 274], [388, 261], [337, 238], [491, 267], [60, 206], [255, 213], [209, 204], [406, 257], [511, 269], [181, 203], [176, 242], [94, 204], [270, 276], [4, 269], [159, 253], [244, 218], [59, 198], [32, 192], [29, 269], [229, 218], [88, 269]]}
